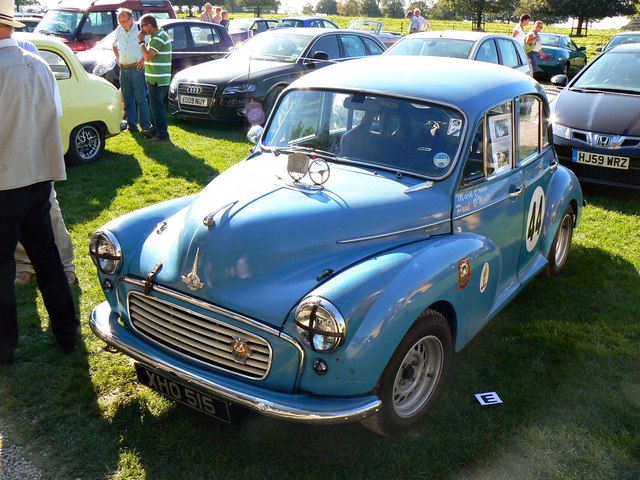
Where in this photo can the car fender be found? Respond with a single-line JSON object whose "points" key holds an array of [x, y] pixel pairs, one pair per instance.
{"points": [[397, 287], [133, 228], [563, 190]]}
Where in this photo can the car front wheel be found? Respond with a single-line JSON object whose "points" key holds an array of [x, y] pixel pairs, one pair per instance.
{"points": [[414, 377], [86, 144], [561, 245]]}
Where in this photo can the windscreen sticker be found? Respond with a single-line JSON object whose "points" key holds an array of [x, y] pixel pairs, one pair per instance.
{"points": [[455, 126], [441, 160], [484, 277], [535, 218]]}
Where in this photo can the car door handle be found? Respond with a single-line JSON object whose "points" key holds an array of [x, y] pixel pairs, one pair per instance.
{"points": [[517, 192]]}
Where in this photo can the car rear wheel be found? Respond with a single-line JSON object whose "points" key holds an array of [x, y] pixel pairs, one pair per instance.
{"points": [[561, 245], [86, 144], [414, 377]]}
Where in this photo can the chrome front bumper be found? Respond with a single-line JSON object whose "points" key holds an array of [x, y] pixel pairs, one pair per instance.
{"points": [[296, 407]]}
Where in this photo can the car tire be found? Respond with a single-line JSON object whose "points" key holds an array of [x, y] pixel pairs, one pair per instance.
{"points": [[561, 246], [414, 377], [86, 144], [270, 101]]}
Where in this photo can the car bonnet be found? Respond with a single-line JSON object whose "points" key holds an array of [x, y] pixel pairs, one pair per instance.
{"points": [[258, 242]]}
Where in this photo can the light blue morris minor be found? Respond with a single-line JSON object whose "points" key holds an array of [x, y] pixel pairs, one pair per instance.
{"points": [[389, 209]]}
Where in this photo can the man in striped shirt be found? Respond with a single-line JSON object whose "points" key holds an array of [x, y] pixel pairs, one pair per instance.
{"points": [[157, 73]]}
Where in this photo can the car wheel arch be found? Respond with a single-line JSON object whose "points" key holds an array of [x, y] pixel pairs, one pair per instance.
{"points": [[96, 133]]}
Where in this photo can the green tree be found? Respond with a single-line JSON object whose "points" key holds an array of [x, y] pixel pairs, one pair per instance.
{"points": [[259, 5], [307, 9], [370, 8], [585, 10], [475, 9], [393, 8], [350, 8], [330, 7]]}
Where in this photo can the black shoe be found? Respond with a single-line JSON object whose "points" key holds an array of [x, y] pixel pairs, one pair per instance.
{"points": [[133, 129], [7, 359], [148, 134]]}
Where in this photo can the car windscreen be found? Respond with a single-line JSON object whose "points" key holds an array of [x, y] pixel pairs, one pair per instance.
{"points": [[621, 39], [284, 47], [612, 71], [432, 47], [60, 22], [550, 40], [240, 25], [388, 132]]}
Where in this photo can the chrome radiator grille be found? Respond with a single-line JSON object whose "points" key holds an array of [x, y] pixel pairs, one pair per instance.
{"points": [[200, 337]]}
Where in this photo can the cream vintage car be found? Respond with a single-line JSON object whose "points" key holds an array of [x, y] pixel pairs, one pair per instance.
{"points": [[92, 107]]}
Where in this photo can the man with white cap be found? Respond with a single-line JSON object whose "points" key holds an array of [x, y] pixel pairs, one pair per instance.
{"points": [[31, 159]]}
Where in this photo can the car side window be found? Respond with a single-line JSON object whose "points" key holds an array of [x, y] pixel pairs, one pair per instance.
{"points": [[352, 46], [374, 48], [487, 52], [533, 127], [178, 38], [499, 128], [99, 24], [328, 44], [57, 64], [474, 165], [508, 52], [204, 36]]}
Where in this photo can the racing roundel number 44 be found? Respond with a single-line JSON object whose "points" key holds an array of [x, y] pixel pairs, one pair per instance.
{"points": [[535, 218]]}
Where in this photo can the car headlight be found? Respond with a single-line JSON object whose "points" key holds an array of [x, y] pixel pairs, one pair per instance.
{"points": [[320, 325], [173, 86], [239, 88], [105, 251], [101, 69], [561, 131]]}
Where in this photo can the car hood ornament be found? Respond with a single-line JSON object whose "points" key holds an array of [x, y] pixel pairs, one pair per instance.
{"points": [[191, 280]]}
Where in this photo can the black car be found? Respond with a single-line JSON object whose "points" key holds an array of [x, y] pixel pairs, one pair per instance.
{"points": [[245, 84], [192, 41], [596, 120]]}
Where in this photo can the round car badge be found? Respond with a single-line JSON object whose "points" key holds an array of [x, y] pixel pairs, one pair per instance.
{"points": [[297, 165], [441, 160], [484, 277]]}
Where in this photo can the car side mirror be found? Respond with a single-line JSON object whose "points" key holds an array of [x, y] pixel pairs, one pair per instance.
{"points": [[319, 56], [254, 134], [560, 80]]}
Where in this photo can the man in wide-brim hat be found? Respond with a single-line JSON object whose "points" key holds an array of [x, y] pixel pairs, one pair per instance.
{"points": [[31, 160], [6, 14]]}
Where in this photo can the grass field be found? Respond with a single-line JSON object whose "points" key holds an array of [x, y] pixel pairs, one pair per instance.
{"points": [[564, 357]]}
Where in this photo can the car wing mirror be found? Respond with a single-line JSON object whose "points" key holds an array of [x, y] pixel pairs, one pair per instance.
{"points": [[319, 56], [254, 134], [560, 80]]}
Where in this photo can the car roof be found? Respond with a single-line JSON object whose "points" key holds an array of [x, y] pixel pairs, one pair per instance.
{"points": [[456, 34], [470, 85], [305, 17], [307, 32]]}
